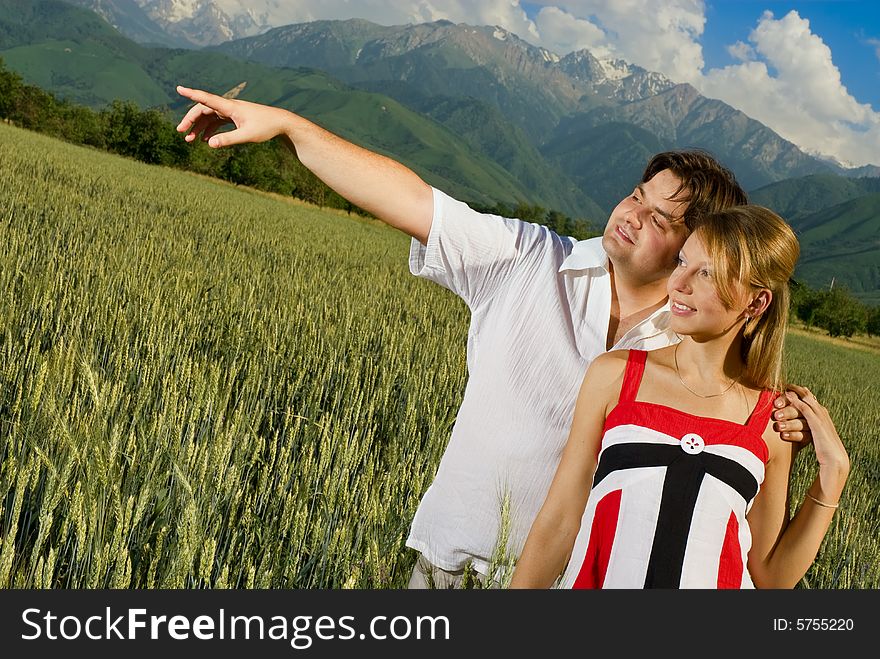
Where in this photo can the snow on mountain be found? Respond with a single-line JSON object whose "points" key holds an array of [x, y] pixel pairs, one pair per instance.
{"points": [[615, 69], [214, 21], [614, 78]]}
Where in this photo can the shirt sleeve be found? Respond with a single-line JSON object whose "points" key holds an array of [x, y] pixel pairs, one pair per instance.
{"points": [[471, 253]]}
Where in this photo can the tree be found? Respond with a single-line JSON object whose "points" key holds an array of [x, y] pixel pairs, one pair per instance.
{"points": [[530, 213], [142, 134], [840, 313], [81, 125], [10, 88], [805, 302], [873, 324]]}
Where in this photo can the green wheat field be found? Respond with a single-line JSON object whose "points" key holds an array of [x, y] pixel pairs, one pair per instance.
{"points": [[206, 387]]}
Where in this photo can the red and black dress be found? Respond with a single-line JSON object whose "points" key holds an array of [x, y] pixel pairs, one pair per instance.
{"points": [[669, 499]]}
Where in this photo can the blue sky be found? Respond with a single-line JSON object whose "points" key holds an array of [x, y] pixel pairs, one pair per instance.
{"points": [[846, 26]]}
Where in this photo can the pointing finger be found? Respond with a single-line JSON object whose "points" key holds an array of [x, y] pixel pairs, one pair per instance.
{"points": [[216, 103], [205, 98]]}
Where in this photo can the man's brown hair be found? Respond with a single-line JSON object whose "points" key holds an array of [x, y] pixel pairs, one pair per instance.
{"points": [[706, 184]]}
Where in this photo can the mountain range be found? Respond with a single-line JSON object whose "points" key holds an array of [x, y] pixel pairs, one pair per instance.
{"points": [[553, 100], [474, 109]]}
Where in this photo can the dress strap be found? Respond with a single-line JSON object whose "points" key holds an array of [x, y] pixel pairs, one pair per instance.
{"points": [[632, 377], [761, 414]]}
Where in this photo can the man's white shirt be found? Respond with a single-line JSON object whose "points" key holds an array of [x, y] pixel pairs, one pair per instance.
{"points": [[540, 305]]}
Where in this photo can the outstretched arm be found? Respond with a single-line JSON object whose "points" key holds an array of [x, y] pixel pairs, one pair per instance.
{"points": [[390, 191], [782, 550], [553, 533]]}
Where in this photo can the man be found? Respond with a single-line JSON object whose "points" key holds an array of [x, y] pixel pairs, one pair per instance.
{"points": [[542, 308]]}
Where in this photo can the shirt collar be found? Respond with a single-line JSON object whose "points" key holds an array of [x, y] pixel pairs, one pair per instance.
{"points": [[654, 325], [586, 254]]}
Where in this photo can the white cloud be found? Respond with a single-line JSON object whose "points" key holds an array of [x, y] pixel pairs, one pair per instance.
{"points": [[741, 51], [659, 36], [876, 45], [563, 33], [793, 87], [506, 13]]}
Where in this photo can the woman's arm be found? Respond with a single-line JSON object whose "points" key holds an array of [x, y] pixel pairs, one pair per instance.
{"points": [[553, 532], [782, 550]]}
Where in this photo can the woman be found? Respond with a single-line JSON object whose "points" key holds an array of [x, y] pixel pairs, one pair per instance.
{"points": [[690, 488]]}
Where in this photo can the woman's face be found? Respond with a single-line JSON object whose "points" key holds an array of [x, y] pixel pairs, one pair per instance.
{"points": [[693, 299]]}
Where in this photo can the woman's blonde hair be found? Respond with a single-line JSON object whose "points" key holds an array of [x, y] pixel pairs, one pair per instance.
{"points": [[752, 247]]}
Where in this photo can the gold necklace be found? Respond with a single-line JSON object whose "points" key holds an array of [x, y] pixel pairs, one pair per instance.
{"points": [[678, 373]]}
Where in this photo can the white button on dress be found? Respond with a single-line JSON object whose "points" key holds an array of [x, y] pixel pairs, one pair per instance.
{"points": [[692, 443]]}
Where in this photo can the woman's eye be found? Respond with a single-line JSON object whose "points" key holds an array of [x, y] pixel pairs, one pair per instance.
{"points": [[679, 261]]}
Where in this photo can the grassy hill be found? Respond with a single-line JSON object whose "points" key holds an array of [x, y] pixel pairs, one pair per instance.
{"points": [[88, 73], [798, 198], [842, 243], [837, 220], [465, 146], [24, 22], [608, 159], [74, 53]]}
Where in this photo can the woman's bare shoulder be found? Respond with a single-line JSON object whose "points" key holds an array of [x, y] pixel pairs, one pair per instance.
{"points": [[605, 373], [609, 363]]}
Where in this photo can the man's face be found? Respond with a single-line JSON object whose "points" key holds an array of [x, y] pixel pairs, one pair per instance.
{"points": [[646, 231]]}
